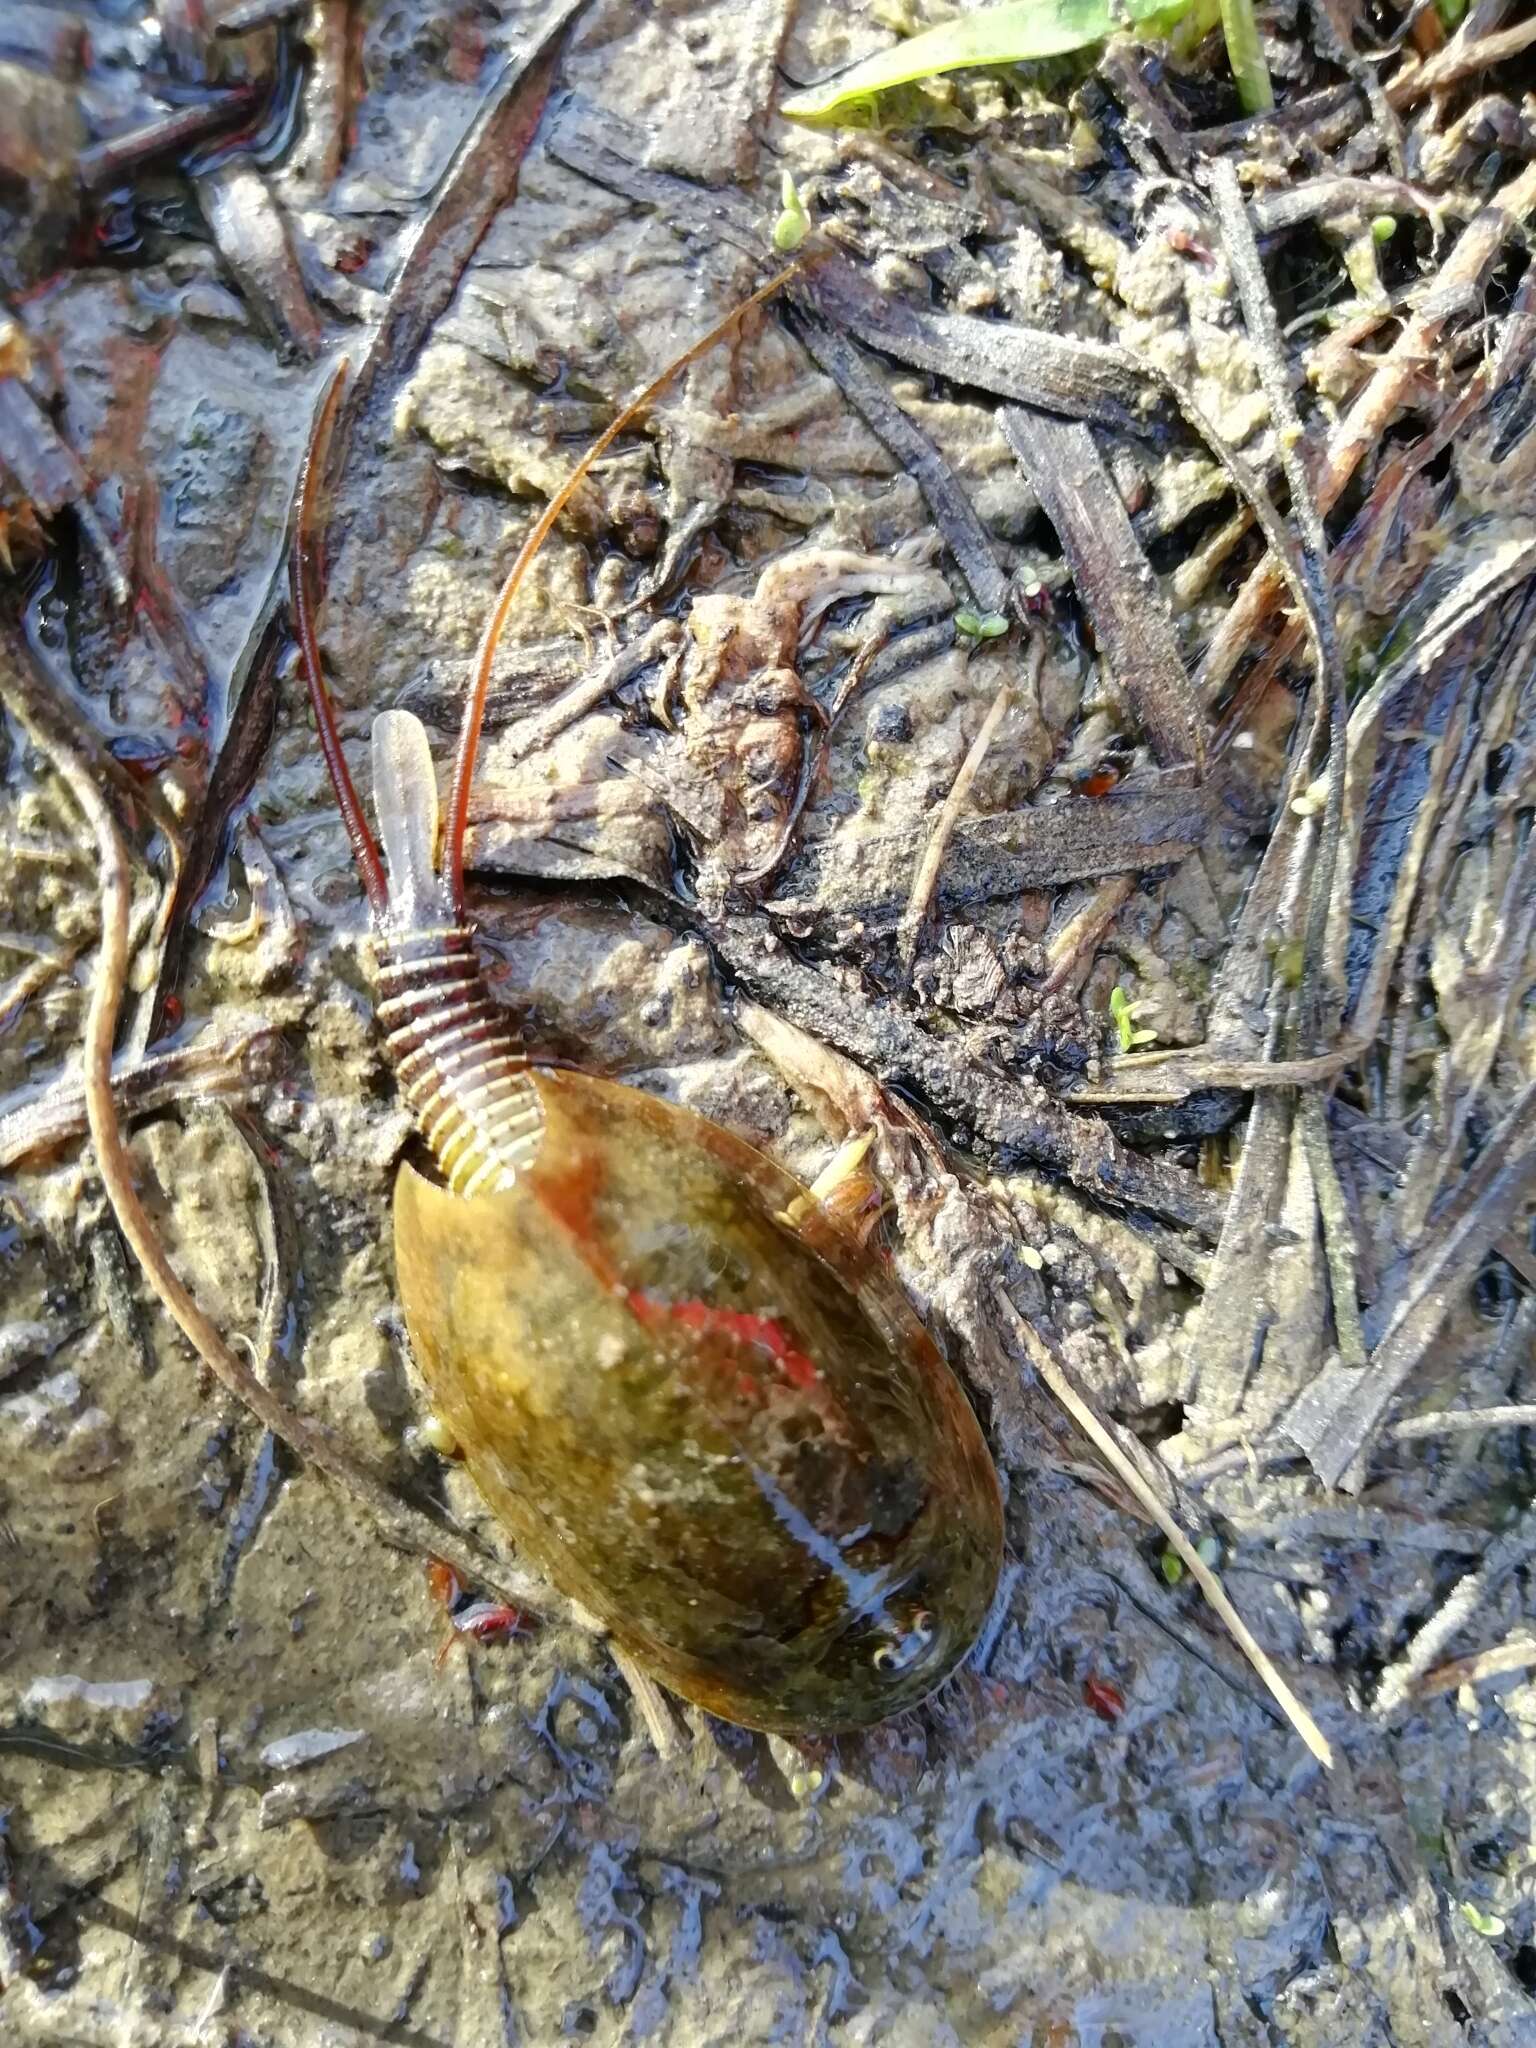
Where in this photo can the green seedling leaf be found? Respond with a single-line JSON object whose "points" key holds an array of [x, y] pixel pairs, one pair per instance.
{"points": [[1120, 1010], [1172, 1566], [1489, 1925], [979, 625], [793, 223], [1123, 1011], [1021, 32]]}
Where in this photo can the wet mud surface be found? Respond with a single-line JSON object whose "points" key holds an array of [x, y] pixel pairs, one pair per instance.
{"points": [[255, 1789]]}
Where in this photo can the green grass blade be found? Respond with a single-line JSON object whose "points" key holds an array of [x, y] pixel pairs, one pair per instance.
{"points": [[1018, 33], [1245, 53]]}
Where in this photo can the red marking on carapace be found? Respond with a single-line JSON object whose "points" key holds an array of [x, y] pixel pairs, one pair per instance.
{"points": [[1106, 1700], [735, 1324], [171, 1011], [742, 1329], [570, 1196], [1099, 783]]}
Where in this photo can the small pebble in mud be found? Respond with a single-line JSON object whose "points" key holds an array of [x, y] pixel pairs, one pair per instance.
{"points": [[375, 1947], [891, 723]]}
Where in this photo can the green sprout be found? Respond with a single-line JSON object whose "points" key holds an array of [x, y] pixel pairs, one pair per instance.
{"points": [[1245, 53], [1208, 1550], [971, 625], [1383, 227], [1489, 1925], [1125, 1012], [793, 223]]}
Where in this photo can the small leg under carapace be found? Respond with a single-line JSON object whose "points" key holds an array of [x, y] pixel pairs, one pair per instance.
{"points": [[487, 1621], [845, 1189]]}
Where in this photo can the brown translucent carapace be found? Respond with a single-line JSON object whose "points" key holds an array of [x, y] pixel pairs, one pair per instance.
{"points": [[721, 1431]]}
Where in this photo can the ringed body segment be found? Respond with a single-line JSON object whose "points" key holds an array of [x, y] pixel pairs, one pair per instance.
{"points": [[725, 1435]]}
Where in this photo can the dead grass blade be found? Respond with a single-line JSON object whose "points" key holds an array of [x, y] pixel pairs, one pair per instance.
{"points": [[1132, 624], [1056, 1376], [925, 881]]}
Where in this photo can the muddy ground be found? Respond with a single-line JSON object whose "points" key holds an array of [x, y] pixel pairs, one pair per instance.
{"points": [[246, 1798]]}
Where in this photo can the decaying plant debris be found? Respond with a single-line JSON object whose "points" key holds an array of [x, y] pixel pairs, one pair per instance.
{"points": [[1143, 855]]}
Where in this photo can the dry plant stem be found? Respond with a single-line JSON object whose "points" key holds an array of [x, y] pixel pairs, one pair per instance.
{"points": [[946, 498], [1045, 1362], [1168, 1075], [401, 1525], [1461, 59], [1335, 1428], [650, 1702], [1264, 334], [1368, 418], [1338, 1230], [1504, 973], [1076, 940], [1234, 1306], [1504, 1555], [998, 1108], [1464, 1421], [27, 982], [1132, 625], [251, 234], [209, 1066], [1352, 561], [1330, 28], [480, 180], [926, 880], [501, 611], [531, 735], [1517, 1654]]}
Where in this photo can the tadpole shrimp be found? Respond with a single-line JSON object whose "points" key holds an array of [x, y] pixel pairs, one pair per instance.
{"points": [[701, 1405], [725, 1435]]}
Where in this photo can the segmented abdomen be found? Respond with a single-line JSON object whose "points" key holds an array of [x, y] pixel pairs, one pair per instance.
{"points": [[460, 1066]]}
